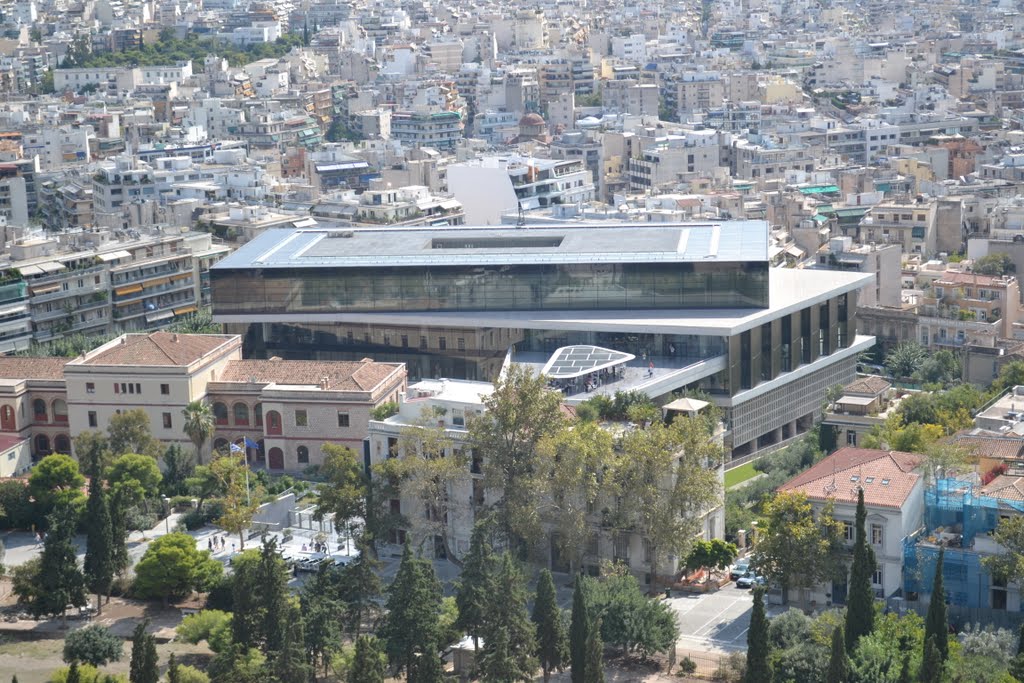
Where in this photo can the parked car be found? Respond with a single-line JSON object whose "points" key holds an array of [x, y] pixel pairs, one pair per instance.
{"points": [[741, 567], [749, 580]]}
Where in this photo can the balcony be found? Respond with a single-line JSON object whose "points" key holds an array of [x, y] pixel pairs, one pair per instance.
{"points": [[138, 292]]}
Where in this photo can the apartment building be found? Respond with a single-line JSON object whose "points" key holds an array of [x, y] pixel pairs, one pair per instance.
{"points": [[993, 302], [449, 404], [441, 130], [290, 408], [102, 285], [893, 497]]}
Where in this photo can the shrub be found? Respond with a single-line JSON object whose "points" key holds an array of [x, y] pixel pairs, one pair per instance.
{"points": [[94, 645], [181, 502], [687, 666], [87, 674], [190, 674]]}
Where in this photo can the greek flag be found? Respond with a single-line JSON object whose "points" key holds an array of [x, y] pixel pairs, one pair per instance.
{"points": [[235, 448]]}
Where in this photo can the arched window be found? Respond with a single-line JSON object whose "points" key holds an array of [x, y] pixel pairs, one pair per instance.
{"points": [[241, 414], [60, 411], [62, 444], [273, 422], [302, 455], [220, 413], [39, 410], [220, 445], [275, 459], [42, 445], [7, 421], [257, 415]]}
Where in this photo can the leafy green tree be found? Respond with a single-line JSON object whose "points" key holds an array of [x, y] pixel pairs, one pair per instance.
{"points": [[99, 551], [839, 663], [936, 625], [520, 413], [199, 425], [1009, 564], [93, 644], [860, 609], [204, 625], [713, 554], [144, 664], [172, 567], [552, 641], [594, 671], [413, 607], [931, 665], [203, 483], [579, 632], [630, 620], [757, 641], [509, 637], [795, 549], [56, 481], [666, 481], [941, 367], [136, 476], [476, 584], [93, 451], [343, 493], [905, 359], [59, 582], [369, 663], [578, 459], [241, 497], [178, 467], [129, 432], [997, 263]]}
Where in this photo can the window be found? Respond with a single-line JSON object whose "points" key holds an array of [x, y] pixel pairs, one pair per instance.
{"points": [[90, 388], [622, 547], [93, 422], [876, 534], [851, 437], [405, 341], [460, 343], [876, 578], [117, 388], [165, 389], [301, 419], [343, 420], [131, 388], [302, 454], [442, 343], [848, 531], [648, 555], [423, 342], [167, 420]]}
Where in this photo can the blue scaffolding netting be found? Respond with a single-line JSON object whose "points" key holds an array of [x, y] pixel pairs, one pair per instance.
{"points": [[961, 512]]}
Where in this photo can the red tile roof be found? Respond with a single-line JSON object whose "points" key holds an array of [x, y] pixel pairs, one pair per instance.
{"points": [[887, 477], [159, 348], [19, 367], [992, 445], [1006, 487], [362, 375]]}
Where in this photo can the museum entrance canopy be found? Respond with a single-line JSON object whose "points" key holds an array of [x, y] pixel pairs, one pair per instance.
{"points": [[575, 361]]}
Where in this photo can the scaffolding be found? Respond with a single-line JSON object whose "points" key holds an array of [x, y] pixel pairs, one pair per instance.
{"points": [[955, 513]]}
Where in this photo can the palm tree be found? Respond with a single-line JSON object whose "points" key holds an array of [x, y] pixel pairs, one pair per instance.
{"points": [[198, 425]]}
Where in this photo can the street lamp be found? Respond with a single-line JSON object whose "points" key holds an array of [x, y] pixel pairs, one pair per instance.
{"points": [[167, 514]]}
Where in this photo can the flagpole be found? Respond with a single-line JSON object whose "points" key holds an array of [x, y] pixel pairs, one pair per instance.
{"points": [[245, 461]]}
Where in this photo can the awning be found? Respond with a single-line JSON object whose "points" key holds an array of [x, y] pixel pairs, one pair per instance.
{"points": [[51, 267], [159, 315], [130, 289], [30, 270], [181, 276], [185, 310], [114, 255], [156, 283], [856, 400], [45, 289]]}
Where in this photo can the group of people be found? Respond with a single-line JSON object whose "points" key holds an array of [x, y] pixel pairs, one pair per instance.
{"points": [[215, 543], [316, 547]]}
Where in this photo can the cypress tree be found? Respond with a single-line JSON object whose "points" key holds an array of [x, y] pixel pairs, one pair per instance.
{"points": [[594, 670], [579, 631], [860, 608], [410, 630], [935, 623], [758, 669], [143, 667], [118, 532], [838, 663], [289, 660], [74, 675], [509, 636], [61, 582], [367, 664], [931, 665], [99, 557], [476, 586], [426, 666], [551, 638], [173, 674]]}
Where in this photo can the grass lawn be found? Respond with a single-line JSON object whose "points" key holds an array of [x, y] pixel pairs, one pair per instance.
{"points": [[739, 474]]}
